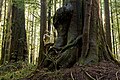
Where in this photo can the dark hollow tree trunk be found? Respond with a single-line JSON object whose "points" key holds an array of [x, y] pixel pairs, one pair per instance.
{"points": [[86, 42]]}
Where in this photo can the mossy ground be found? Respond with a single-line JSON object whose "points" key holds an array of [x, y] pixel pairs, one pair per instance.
{"points": [[23, 71], [102, 71], [15, 71]]}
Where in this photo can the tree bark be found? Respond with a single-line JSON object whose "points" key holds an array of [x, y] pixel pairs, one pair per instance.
{"points": [[1, 4], [86, 28], [42, 30], [18, 48], [107, 23], [3, 37], [8, 32], [118, 26], [112, 21]]}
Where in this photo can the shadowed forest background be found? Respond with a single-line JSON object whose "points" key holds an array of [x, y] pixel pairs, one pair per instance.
{"points": [[59, 39]]}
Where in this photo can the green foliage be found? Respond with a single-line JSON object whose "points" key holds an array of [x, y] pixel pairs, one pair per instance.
{"points": [[18, 3], [15, 71]]}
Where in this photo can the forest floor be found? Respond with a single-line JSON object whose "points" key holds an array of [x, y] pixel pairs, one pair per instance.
{"points": [[101, 71], [15, 71]]}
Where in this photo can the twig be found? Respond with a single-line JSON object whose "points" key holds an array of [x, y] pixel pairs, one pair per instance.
{"points": [[97, 77], [72, 76], [88, 74], [117, 75], [101, 77]]}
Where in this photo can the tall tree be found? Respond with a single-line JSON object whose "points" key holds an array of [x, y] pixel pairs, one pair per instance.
{"points": [[32, 46], [118, 26], [113, 37], [3, 36], [1, 3], [18, 48], [8, 32], [49, 15], [107, 23], [42, 29]]}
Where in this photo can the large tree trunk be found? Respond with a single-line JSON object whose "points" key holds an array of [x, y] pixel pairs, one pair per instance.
{"points": [[18, 48], [86, 42]]}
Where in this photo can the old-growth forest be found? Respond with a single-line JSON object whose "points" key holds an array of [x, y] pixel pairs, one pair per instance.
{"points": [[59, 39]]}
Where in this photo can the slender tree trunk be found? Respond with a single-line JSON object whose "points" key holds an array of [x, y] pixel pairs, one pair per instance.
{"points": [[32, 33], [42, 29], [35, 29], [1, 4], [112, 22], [8, 32], [3, 37], [55, 5], [49, 16], [28, 31], [118, 26]]}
